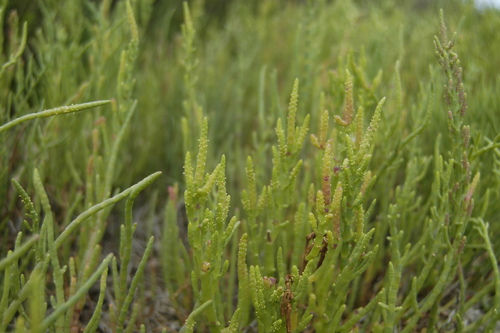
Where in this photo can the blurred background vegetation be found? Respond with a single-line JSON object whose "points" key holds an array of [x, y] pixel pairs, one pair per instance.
{"points": [[240, 45]]}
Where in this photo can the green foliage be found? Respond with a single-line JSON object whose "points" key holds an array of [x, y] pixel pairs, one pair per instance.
{"points": [[369, 208]]}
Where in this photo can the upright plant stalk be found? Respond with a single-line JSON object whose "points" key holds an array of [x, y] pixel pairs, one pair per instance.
{"points": [[126, 109], [193, 113]]}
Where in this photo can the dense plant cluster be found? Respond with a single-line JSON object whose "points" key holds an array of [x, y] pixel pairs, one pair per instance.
{"points": [[324, 166]]}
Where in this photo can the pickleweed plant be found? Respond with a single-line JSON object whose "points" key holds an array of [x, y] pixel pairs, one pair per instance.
{"points": [[192, 109], [208, 233], [320, 170], [267, 283], [307, 258], [24, 300]]}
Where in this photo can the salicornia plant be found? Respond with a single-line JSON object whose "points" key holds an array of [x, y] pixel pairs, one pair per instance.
{"points": [[320, 170]]}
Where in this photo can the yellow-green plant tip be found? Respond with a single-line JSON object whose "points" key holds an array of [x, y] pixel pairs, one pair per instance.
{"points": [[323, 128], [315, 141], [131, 21], [348, 99], [360, 218], [370, 132], [234, 322], [326, 175], [302, 135], [311, 195], [210, 181], [189, 173], [201, 158], [187, 18], [263, 197], [340, 121], [21, 326], [292, 114], [349, 149], [282, 146], [189, 325], [312, 221], [295, 171], [320, 203], [335, 209], [444, 35]]}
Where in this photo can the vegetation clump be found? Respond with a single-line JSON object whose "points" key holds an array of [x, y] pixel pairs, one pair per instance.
{"points": [[267, 166]]}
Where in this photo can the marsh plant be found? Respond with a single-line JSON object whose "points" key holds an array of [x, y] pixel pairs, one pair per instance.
{"points": [[361, 202]]}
